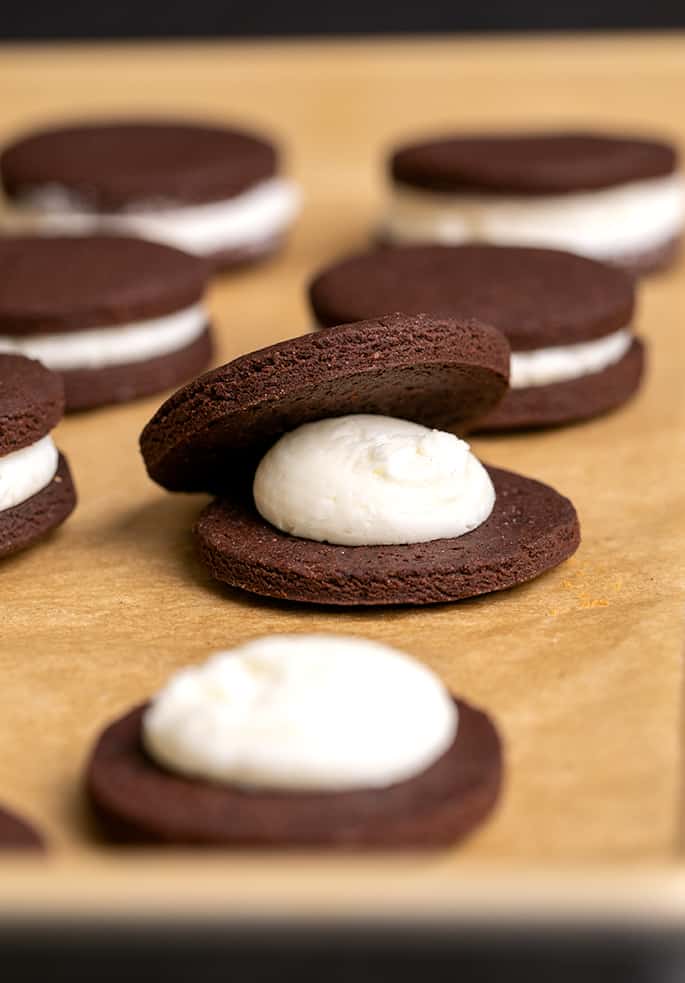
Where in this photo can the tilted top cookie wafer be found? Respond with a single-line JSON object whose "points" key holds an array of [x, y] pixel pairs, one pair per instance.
{"points": [[530, 164], [430, 370], [59, 284]]}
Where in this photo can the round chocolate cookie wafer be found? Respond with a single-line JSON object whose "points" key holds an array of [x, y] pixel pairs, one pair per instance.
{"points": [[210, 190], [563, 315], [16, 834], [536, 297], [118, 318], [113, 164], [437, 372], [530, 530], [138, 801], [36, 490], [531, 164], [612, 198], [62, 285]]}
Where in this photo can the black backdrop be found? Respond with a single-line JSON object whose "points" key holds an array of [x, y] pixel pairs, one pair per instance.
{"points": [[38, 19]]}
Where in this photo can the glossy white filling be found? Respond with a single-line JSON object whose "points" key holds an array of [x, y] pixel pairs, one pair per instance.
{"points": [[248, 220], [310, 712], [368, 480], [25, 472], [612, 222], [121, 344], [543, 366]]}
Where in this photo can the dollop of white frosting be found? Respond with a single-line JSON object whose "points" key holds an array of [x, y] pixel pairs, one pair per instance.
{"points": [[25, 472], [247, 220], [543, 366], [309, 712], [603, 224], [370, 481], [121, 344]]}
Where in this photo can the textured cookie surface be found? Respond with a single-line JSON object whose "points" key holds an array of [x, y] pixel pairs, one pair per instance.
{"points": [[530, 164], [571, 401], [112, 164], [536, 297], [531, 529], [138, 801], [432, 371], [15, 834], [54, 284], [87, 388], [31, 402], [32, 519]]}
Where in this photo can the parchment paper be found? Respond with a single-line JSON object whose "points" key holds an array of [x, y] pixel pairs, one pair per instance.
{"points": [[582, 668]]}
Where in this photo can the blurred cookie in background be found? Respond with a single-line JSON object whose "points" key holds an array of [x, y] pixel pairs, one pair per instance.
{"points": [[569, 320], [613, 198], [213, 191], [118, 318]]}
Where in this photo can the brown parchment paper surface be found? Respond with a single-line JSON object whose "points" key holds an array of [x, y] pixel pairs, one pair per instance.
{"points": [[582, 668]]}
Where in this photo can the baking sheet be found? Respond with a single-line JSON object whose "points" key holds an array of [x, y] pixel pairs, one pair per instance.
{"points": [[582, 668]]}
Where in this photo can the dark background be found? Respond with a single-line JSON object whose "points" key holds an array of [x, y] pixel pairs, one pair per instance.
{"points": [[201, 18]]}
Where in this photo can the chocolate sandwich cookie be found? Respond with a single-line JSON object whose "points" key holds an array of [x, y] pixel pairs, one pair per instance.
{"points": [[118, 318], [36, 490], [568, 319], [617, 199], [201, 775], [326, 497], [15, 834], [209, 190]]}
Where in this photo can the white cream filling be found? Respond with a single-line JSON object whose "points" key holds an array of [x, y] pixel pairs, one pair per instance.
{"points": [[309, 712], [630, 218], [25, 472], [372, 480], [543, 366], [247, 220], [122, 344]]}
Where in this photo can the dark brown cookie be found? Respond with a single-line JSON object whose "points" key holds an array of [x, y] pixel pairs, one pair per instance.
{"points": [[138, 801], [536, 297], [57, 284], [24, 524], [208, 435], [15, 834], [530, 164], [531, 529], [113, 164], [31, 402], [88, 388], [572, 401], [69, 284]]}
